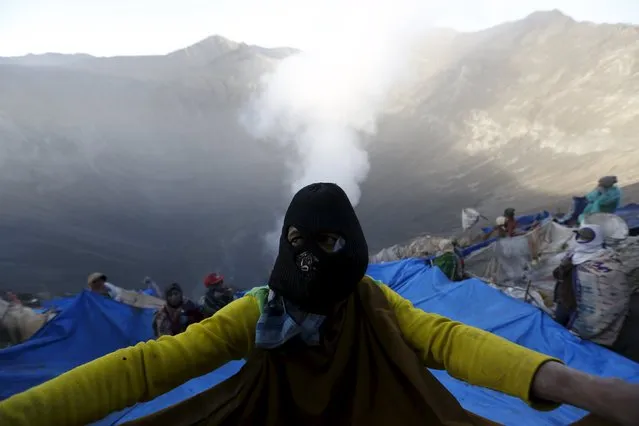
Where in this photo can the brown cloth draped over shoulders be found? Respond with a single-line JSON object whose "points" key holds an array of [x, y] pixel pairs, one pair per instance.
{"points": [[364, 373]]}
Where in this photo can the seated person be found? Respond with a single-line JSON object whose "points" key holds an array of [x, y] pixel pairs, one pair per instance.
{"points": [[605, 198]]}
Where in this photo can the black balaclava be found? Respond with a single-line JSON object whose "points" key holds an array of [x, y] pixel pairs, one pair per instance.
{"points": [[306, 275]]}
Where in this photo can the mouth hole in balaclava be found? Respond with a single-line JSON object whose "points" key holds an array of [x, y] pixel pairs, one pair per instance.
{"points": [[330, 242]]}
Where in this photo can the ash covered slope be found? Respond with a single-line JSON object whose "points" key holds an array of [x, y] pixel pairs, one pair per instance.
{"points": [[132, 166], [523, 114], [137, 165]]}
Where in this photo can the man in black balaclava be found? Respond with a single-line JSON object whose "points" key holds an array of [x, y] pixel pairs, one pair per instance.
{"points": [[323, 252]]}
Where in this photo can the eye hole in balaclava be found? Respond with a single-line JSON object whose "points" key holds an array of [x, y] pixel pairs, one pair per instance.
{"points": [[323, 253], [330, 242]]}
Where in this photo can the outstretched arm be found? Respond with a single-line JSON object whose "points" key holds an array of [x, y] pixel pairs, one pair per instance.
{"points": [[484, 359], [607, 397], [468, 353], [139, 373]]}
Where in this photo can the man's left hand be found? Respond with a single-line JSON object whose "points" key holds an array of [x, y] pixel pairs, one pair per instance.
{"points": [[610, 398], [622, 401]]}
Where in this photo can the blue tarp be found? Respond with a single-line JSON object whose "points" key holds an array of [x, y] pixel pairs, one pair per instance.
{"points": [[151, 292], [59, 303], [93, 326], [630, 213], [87, 328]]}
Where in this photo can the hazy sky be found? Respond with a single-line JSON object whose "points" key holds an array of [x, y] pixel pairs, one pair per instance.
{"points": [[126, 27]]}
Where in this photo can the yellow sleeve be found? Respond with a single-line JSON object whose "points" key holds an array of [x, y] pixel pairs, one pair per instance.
{"points": [[468, 353], [139, 373]]}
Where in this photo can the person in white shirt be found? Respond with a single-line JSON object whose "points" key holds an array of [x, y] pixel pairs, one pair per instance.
{"points": [[98, 283]]}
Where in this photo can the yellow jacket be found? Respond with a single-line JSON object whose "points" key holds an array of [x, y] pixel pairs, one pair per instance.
{"points": [[142, 372]]}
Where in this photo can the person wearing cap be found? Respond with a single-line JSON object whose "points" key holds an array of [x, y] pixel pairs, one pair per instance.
{"points": [[605, 198], [502, 229], [177, 314], [217, 294], [592, 294], [323, 344], [506, 227], [98, 283]]}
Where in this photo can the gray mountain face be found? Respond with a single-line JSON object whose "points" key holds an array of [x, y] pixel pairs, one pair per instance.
{"points": [[138, 166]]}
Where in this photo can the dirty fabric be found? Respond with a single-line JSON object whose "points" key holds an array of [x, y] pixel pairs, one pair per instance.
{"points": [[282, 321], [603, 298]]}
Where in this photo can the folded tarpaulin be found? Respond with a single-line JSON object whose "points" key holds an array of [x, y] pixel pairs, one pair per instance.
{"points": [[70, 340], [87, 328], [59, 303]]}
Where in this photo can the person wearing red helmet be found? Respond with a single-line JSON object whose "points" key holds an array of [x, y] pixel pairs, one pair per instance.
{"points": [[217, 294]]}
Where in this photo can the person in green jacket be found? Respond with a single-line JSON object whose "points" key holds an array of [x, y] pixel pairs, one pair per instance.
{"points": [[605, 198]]}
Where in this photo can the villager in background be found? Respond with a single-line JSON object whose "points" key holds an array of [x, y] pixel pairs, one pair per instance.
{"points": [[499, 230], [152, 288], [321, 342], [177, 314], [605, 198], [98, 283], [11, 297], [507, 227], [592, 294], [511, 222], [451, 262], [217, 294]]}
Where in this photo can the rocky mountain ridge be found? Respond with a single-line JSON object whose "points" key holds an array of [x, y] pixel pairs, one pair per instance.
{"points": [[138, 166]]}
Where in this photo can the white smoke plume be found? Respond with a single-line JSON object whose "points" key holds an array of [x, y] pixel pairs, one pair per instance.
{"points": [[322, 102]]}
